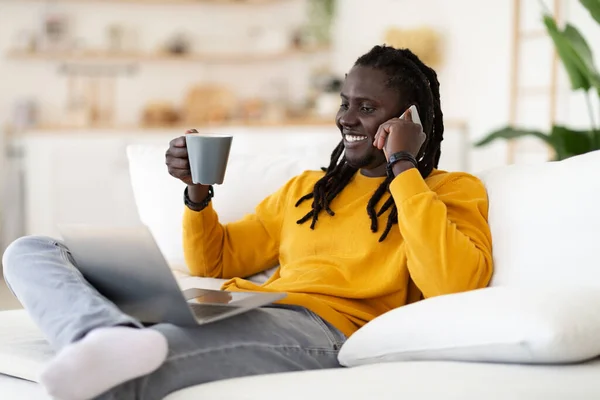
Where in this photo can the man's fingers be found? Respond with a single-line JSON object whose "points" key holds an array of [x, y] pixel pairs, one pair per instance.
{"points": [[178, 142], [376, 139], [177, 152], [176, 158], [381, 137], [184, 175], [178, 163], [180, 173]]}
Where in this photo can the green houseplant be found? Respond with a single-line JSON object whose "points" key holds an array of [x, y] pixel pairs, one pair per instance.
{"points": [[576, 56]]}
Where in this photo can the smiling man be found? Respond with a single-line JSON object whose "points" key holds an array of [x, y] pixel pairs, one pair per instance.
{"points": [[338, 266]]}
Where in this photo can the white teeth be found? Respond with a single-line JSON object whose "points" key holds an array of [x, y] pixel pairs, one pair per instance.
{"points": [[353, 138]]}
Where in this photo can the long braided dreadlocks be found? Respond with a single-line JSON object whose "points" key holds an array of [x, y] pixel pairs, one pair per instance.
{"points": [[418, 84]]}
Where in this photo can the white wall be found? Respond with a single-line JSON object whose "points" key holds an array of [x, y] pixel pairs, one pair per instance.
{"points": [[473, 78]]}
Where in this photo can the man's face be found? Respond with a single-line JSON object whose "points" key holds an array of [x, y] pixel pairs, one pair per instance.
{"points": [[366, 103]]}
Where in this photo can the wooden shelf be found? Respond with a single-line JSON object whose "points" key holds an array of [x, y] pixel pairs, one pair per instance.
{"points": [[300, 122], [169, 2], [108, 57]]}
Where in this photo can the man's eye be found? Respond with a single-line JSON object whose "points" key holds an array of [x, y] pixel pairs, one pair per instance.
{"points": [[367, 110], [343, 106]]}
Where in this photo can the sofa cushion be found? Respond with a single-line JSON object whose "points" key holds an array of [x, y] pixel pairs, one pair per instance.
{"points": [[250, 177], [424, 380], [23, 348], [545, 222], [500, 324]]}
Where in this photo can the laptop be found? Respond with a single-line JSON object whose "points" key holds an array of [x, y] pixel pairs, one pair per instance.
{"points": [[126, 266]]}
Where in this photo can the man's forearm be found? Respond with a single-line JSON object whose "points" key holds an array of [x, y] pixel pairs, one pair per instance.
{"points": [[197, 193]]}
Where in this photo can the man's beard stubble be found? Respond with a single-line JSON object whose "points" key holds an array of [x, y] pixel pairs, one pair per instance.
{"points": [[362, 162]]}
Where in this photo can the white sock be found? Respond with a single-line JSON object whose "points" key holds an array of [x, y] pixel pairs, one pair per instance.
{"points": [[103, 359]]}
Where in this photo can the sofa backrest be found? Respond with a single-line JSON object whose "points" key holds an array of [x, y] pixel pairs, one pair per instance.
{"points": [[545, 218], [545, 222]]}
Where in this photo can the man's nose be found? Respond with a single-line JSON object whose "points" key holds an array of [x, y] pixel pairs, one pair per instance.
{"points": [[349, 118]]}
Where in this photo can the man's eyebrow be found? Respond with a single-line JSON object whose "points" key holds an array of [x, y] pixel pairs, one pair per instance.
{"points": [[345, 97]]}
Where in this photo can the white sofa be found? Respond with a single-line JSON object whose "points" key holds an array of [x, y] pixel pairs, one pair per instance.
{"points": [[545, 226]]}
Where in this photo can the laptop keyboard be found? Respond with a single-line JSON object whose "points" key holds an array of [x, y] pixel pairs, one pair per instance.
{"points": [[209, 310]]}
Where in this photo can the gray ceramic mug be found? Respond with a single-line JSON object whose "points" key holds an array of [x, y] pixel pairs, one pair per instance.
{"points": [[208, 155]]}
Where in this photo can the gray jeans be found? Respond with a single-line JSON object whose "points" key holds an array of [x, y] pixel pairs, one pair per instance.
{"points": [[41, 273]]}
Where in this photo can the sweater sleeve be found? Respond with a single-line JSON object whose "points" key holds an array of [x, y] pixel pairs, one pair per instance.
{"points": [[446, 233], [237, 249]]}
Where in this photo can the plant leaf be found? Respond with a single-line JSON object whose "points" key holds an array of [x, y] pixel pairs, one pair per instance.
{"points": [[572, 62], [595, 140], [584, 53], [509, 133], [572, 142], [593, 6]]}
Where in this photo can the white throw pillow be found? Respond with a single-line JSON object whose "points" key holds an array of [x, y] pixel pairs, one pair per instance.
{"points": [[159, 200], [545, 222], [502, 324]]}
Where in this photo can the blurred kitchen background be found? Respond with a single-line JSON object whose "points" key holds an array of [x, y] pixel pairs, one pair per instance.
{"points": [[82, 79]]}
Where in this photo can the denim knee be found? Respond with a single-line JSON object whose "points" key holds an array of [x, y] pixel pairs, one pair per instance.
{"points": [[25, 245]]}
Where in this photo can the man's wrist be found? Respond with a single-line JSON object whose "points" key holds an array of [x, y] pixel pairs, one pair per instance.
{"points": [[198, 191], [401, 166], [399, 162]]}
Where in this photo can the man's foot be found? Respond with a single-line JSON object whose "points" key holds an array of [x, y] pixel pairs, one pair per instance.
{"points": [[103, 359]]}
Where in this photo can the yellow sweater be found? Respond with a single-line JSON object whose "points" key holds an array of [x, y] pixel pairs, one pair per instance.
{"points": [[339, 270]]}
